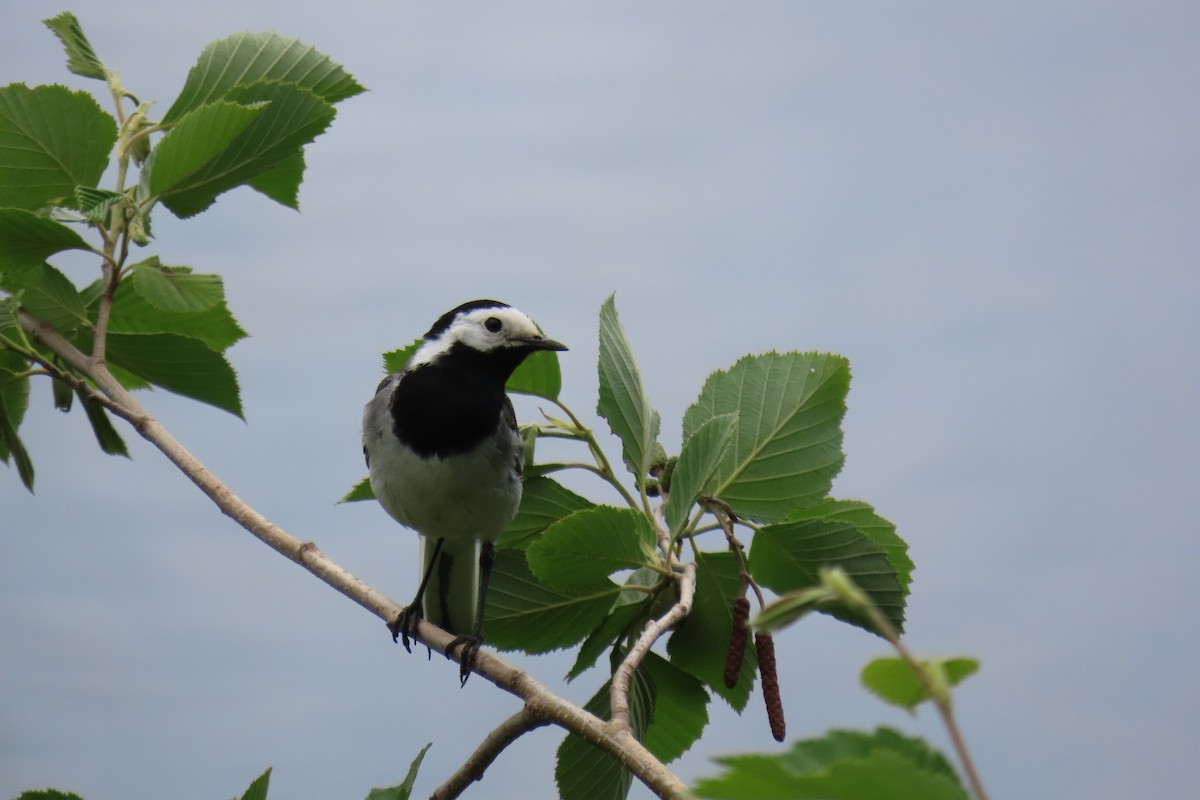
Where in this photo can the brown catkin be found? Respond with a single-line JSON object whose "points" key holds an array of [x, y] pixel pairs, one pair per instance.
{"points": [[765, 646], [737, 641]]}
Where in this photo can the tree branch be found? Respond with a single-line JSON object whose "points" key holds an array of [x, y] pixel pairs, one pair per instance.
{"points": [[489, 749], [540, 702]]}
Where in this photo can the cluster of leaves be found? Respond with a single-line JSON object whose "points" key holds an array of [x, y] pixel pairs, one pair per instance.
{"points": [[247, 109]]}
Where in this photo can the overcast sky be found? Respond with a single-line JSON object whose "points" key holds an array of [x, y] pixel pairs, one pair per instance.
{"points": [[992, 209]]}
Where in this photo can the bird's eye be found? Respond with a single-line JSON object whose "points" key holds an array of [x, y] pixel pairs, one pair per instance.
{"points": [[493, 324]]}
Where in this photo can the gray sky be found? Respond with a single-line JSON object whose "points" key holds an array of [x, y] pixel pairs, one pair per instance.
{"points": [[991, 210]]}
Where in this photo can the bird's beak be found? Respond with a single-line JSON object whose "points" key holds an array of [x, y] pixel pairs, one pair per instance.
{"points": [[540, 343]]}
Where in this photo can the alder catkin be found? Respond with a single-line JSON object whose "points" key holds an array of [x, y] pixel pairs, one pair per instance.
{"points": [[737, 641], [765, 646]]}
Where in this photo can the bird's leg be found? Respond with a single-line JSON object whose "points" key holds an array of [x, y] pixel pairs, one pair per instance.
{"points": [[405, 623], [470, 644]]}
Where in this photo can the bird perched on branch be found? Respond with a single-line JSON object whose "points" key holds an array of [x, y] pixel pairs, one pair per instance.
{"points": [[445, 459]]}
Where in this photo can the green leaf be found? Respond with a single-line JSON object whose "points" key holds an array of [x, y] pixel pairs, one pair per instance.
{"points": [[618, 623], [48, 794], [538, 375], [699, 643], [179, 364], [176, 289], [680, 709], [81, 58], [26, 240], [51, 140], [869, 523], [106, 435], [543, 502], [788, 443], [10, 310], [182, 155], [525, 614], [623, 399], [96, 204], [133, 313], [246, 58], [699, 458], [583, 771], [292, 119], [258, 789], [394, 360], [12, 446], [842, 765], [14, 386], [361, 491], [893, 680], [49, 296], [404, 790], [788, 557], [282, 182], [580, 551]]}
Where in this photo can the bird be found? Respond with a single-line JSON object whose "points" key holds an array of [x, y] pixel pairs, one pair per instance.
{"points": [[445, 459]]}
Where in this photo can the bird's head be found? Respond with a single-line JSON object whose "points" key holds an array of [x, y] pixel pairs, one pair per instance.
{"points": [[483, 326]]}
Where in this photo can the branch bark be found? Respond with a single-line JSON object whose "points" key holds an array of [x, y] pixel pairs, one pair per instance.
{"points": [[540, 702]]}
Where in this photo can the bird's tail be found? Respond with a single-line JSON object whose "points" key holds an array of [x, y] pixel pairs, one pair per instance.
{"points": [[453, 589]]}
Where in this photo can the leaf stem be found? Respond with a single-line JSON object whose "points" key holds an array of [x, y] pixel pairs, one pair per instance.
{"points": [[605, 469]]}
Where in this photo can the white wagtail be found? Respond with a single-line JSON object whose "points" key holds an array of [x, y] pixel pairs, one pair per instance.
{"points": [[445, 459]]}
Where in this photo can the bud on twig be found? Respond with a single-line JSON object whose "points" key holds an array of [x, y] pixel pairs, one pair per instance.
{"points": [[737, 641], [765, 646]]}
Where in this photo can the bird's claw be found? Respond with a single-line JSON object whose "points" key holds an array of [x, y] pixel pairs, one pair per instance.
{"points": [[467, 656], [405, 625]]}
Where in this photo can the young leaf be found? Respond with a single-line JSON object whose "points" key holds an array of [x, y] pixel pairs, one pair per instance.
{"points": [[698, 644], [292, 119], [26, 240], [580, 551], [583, 771], [699, 458], [198, 138], [246, 58], [81, 58], [525, 614], [176, 289], [893, 681], [543, 503], [680, 709], [96, 204], [394, 360], [788, 556], [623, 399], [51, 140], [179, 364], [788, 444], [843, 764]]}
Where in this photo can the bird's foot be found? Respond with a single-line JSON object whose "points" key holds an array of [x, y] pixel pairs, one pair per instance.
{"points": [[405, 624], [467, 655]]}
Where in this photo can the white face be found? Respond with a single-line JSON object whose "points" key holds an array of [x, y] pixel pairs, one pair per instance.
{"points": [[480, 329]]}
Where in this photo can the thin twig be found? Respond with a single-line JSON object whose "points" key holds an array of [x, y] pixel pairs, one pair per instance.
{"points": [[654, 630], [489, 749]]}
